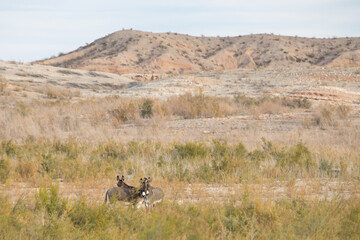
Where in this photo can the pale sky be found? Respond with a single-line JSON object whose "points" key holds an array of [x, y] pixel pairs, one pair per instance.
{"points": [[36, 29]]}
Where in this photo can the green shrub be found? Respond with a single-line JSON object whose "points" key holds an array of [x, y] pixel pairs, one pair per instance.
{"points": [[220, 148], [240, 151], [325, 167], [191, 150], [205, 173], [50, 165], [257, 156], [296, 157], [87, 217], [146, 109], [351, 223], [8, 147], [50, 201], [4, 169]]}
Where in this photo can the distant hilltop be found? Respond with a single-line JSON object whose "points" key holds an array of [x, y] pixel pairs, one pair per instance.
{"points": [[130, 51]]}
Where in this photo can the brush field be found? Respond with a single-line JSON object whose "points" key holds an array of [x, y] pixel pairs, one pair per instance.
{"points": [[250, 154]]}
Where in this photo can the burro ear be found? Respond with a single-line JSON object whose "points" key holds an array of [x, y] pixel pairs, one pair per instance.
{"points": [[149, 179], [141, 180], [117, 178], [122, 178]]}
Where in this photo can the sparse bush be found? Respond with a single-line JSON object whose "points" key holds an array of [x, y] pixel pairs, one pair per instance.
{"points": [[199, 105], [324, 117], [4, 168], [3, 84], [95, 74], [331, 116], [191, 150], [295, 158], [25, 169], [60, 93], [296, 103], [68, 124], [126, 111], [68, 72], [257, 156], [23, 109], [146, 109], [343, 111], [325, 168], [50, 201], [50, 165], [8, 147], [351, 223]]}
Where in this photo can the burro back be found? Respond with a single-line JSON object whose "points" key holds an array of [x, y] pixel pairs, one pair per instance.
{"points": [[157, 195], [117, 193]]}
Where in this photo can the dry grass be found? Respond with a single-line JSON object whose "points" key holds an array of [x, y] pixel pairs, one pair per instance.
{"points": [[215, 162], [331, 116], [65, 114], [199, 105], [61, 93], [3, 84]]}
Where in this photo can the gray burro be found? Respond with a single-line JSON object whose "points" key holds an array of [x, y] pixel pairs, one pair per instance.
{"points": [[156, 195], [145, 194], [126, 193]]}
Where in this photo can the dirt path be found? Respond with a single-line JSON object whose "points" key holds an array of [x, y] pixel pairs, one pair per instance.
{"points": [[315, 189]]}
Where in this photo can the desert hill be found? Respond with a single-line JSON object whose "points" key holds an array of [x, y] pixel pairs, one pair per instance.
{"points": [[130, 51]]}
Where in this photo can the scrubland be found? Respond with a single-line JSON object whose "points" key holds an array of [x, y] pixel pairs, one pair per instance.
{"points": [[232, 167], [58, 115], [50, 216], [50, 166]]}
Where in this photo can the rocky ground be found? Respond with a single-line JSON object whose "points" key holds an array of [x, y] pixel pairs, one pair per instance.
{"points": [[314, 83], [27, 82]]}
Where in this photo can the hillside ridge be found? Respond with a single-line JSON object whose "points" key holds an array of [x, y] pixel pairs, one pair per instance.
{"points": [[131, 51]]}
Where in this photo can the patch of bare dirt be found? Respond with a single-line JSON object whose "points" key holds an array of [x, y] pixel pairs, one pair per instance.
{"points": [[314, 189]]}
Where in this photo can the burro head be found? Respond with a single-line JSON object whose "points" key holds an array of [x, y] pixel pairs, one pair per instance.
{"points": [[120, 181], [145, 190]]}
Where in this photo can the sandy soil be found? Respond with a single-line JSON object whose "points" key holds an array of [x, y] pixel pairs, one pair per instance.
{"points": [[315, 83], [316, 189]]}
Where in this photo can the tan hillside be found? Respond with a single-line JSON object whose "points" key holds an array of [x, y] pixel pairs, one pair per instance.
{"points": [[131, 51]]}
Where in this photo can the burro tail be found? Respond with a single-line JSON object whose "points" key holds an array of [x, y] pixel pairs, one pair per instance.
{"points": [[106, 196]]}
